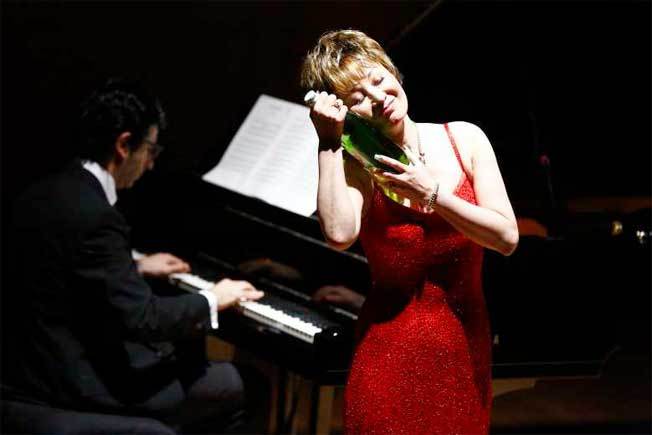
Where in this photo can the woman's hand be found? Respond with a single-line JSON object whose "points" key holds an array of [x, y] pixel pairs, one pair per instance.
{"points": [[415, 181], [327, 115]]}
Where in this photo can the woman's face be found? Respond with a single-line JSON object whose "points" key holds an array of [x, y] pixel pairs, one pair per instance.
{"points": [[378, 97]]}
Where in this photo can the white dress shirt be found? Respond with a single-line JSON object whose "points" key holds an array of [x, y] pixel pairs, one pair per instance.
{"points": [[108, 186]]}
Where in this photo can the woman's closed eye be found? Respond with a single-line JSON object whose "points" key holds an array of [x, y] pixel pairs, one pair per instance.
{"points": [[356, 101]]}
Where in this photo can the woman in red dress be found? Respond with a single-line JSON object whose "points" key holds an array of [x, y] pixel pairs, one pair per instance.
{"points": [[422, 361]]}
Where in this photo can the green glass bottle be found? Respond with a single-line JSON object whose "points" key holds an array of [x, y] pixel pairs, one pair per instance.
{"points": [[362, 141]]}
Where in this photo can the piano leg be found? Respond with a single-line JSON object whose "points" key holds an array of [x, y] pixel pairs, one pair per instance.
{"points": [[321, 409], [281, 402]]}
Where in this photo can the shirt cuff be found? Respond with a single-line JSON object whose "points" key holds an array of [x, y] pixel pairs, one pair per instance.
{"points": [[212, 303]]}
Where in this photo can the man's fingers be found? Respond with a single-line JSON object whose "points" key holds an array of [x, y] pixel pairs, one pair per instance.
{"points": [[252, 291], [251, 294], [249, 291], [178, 267], [168, 258], [181, 263]]}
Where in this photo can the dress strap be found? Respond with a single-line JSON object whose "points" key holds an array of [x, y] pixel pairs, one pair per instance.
{"points": [[452, 140], [463, 176]]}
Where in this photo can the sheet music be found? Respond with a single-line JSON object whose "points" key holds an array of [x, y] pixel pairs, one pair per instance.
{"points": [[273, 157]]}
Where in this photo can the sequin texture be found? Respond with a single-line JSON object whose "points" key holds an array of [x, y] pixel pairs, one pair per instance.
{"points": [[422, 361]]}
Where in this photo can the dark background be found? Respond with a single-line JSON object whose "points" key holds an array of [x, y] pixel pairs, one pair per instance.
{"points": [[570, 80]]}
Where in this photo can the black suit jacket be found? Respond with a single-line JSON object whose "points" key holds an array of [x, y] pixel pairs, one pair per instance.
{"points": [[85, 326]]}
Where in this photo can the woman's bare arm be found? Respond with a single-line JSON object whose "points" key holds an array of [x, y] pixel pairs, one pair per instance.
{"points": [[491, 223]]}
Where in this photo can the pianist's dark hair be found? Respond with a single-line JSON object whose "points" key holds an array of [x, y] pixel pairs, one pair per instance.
{"points": [[116, 107]]}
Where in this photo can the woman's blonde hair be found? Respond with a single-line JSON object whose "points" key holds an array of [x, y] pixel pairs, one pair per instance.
{"points": [[339, 60]]}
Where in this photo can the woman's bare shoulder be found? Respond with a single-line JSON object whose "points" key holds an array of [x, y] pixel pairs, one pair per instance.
{"points": [[466, 130], [466, 136], [470, 139]]}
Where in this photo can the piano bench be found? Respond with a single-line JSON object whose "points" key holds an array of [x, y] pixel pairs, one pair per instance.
{"points": [[28, 418]]}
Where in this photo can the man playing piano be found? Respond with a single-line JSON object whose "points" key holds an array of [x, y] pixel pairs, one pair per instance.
{"points": [[93, 336]]}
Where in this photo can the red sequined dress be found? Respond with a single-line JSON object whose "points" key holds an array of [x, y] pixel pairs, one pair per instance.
{"points": [[422, 361]]}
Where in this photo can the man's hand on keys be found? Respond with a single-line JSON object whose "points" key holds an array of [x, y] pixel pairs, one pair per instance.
{"points": [[229, 292], [161, 265]]}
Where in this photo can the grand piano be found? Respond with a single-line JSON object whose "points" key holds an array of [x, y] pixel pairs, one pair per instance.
{"points": [[224, 234]]}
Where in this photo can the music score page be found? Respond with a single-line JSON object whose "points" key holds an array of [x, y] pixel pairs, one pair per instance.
{"points": [[273, 157]]}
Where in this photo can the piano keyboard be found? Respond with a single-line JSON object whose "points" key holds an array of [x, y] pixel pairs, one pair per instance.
{"points": [[190, 282], [281, 314], [268, 315]]}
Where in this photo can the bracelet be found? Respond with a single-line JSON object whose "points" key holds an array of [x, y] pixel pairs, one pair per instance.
{"points": [[432, 199]]}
